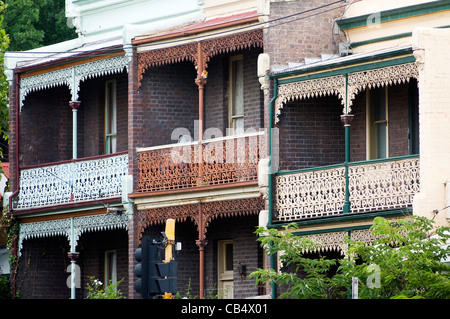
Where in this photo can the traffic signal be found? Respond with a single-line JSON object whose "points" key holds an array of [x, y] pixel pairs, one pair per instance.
{"points": [[155, 275], [167, 277], [147, 257]]}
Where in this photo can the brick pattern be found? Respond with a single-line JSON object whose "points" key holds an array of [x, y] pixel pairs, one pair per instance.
{"points": [[46, 122], [311, 133], [308, 36], [44, 261]]}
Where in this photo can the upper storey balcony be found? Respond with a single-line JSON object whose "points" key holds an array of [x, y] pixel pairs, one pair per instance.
{"points": [[200, 130], [70, 182], [349, 143], [377, 185], [73, 148], [193, 165]]}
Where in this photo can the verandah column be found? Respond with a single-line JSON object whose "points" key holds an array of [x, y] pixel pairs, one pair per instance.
{"points": [[201, 242], [346, 119], [74, 105]]}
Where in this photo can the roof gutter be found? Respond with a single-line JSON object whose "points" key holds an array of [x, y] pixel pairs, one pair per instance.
{"points": [[184, 33]]}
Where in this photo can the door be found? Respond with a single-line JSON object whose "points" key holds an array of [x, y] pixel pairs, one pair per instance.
{"points": [[225, 269]]}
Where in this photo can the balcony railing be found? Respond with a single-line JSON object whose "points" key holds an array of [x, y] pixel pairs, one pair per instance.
{"points": [[72, 181], [218, 161], [372, 186]]}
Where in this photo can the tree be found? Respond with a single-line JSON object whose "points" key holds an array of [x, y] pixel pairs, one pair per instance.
{"points": [[405, 261], [32, 24], [4, 111]]}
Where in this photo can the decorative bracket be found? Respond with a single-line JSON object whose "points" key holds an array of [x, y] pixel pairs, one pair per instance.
{"points": [[72, 77]]}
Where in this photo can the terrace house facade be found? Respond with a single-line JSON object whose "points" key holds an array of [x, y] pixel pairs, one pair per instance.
{"points": [[220, 115], [362, 132], [155, 111]]}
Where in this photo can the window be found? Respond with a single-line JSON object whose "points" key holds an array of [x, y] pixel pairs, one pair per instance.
{"points": [[236, 95], [225, 268], [377, 119], [110, 267], [110, 117]]}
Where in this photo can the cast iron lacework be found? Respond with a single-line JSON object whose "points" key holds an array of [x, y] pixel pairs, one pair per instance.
{"points": [[72, 77], [373, 186], [189, 52], [76, 181], [218, 161], [335, 85], [63, 227], [310, 194]]}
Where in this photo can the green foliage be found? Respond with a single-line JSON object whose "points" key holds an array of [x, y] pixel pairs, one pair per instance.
{"points": [[405, 261], [5, 288], [409, 255], [95, 290], [32, 24], [310, 277], [4, 111]]}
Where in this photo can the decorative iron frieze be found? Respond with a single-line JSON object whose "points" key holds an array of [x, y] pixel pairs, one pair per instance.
{"points": [[189, 52], [335, 85], [210, 211], [72, 228], [72, 76]]}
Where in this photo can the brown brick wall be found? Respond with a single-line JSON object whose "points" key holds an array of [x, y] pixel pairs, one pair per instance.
{"points": [[46, 122], [306, 37], [44, 261], [311, 133]]}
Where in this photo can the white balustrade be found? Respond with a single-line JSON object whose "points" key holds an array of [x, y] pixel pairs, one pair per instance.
{"points": [[75, 181], [373, 186], [309, 194], [383, 185]]}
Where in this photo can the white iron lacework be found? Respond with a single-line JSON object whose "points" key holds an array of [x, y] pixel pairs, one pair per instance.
{"points": [[310, 194], [384, 185], [335, 85], [373, 186], [72, 228], [76, 181], [72, 77]]}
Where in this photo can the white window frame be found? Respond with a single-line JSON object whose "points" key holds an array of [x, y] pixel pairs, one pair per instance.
{"points": [[110, 265], [371, 128], [232, 117], [110, 117]]}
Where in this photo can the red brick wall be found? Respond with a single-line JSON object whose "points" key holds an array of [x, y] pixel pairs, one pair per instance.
{"points": [[398, 123], [44, 261], [306, 37], [311, 133]]}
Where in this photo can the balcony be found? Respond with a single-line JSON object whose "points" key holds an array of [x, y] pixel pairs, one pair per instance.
{"points": [[88, 179], [214, 162], [372, 186]]}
